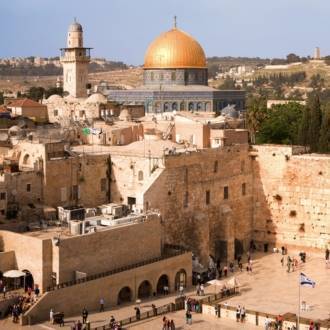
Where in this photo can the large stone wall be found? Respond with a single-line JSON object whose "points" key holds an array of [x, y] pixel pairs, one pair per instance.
{"points": [[291, 197], [206, 228], [71, 300]]}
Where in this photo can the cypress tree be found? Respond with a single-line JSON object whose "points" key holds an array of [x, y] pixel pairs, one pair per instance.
{"points": [[315, 122], [303, 136], [324, 142]]}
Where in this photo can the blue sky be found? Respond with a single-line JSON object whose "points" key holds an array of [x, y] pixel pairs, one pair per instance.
{"points": [[122, 29]]}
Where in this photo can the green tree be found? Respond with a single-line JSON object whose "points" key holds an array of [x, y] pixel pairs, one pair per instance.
{"points": [[303, 136], [36, 93], [324, 141], [317, 82], [256, 113], [315, 122], [281, 124]]}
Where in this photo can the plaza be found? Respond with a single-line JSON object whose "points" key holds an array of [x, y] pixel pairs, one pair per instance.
{"points": [[269, 289]]}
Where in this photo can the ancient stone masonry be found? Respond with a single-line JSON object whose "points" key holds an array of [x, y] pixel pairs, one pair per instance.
{"points": [[291, 197]]}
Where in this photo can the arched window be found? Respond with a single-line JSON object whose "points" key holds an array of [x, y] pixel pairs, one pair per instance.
{"points": [[26, 159], [140, 175]]}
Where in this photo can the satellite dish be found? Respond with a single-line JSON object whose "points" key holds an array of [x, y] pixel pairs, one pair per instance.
{"points": [[3, 136]]}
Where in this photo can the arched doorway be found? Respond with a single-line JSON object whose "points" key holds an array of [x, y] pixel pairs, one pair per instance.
{"points": [[180, 279], [191, 106], [144, 290], [239, 249], [174, 106], [124, 295], [166, 106], [163, 281], [27, 280]]}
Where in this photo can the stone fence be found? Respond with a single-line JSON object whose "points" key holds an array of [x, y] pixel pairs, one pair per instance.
{"points": [[258, 318]]}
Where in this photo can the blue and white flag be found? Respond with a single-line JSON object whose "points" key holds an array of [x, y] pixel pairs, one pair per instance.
{"points": [[305, 281]]}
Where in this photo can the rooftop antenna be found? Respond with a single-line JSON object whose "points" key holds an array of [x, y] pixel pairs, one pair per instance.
{"points": [[175, 22], [75, 19]]}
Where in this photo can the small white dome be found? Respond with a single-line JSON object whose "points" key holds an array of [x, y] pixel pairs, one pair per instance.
{"points": [[75, 27], [97, 98]]}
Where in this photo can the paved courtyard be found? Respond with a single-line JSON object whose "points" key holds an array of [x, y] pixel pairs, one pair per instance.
{"points": [[269, 289]]}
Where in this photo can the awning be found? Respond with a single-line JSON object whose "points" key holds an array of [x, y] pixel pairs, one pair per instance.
{"points": [[14, 273]]}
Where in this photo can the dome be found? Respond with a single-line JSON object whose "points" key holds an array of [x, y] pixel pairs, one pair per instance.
{"points": [[96, 98], [75, 27], [175, 49], [54, 98]]}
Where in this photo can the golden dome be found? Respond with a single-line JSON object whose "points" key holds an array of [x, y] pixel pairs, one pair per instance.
{"points": [[175, 49]]}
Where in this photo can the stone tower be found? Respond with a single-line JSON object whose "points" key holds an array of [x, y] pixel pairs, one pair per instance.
{"points": [[75, 59]]}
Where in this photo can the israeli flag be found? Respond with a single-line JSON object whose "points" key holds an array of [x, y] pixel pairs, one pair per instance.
{"points": [[305, 281]]}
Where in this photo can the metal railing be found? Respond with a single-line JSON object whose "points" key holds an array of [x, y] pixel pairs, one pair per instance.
{"points": [[166, 255]]}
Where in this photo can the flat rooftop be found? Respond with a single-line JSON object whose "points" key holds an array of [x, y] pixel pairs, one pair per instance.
{"points": [[139, 148]]}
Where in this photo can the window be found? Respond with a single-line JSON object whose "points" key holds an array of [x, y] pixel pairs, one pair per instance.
{"points": [[28, 187], [225, 192], [140, 176], [75, 192], [55, 113], [243, 189], [242, 166], [186, 199], [81, 113], [173, 76], [2, 212], [2, 196], [207, 197], [103, 184], [216, 165], [152, 76]]}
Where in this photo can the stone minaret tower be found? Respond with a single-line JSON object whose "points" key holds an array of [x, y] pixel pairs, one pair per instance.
{"points": [[75, 59]]}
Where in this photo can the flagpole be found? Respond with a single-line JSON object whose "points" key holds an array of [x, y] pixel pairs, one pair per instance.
{"points": [[299, 306]]}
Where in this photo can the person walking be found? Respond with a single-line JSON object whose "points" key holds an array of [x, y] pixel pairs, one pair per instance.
{"points": [[101, 305], [137, 313], [238, 313], [84, 315], [198, 289], [181, 290], [172, 325], [242, 314], [51, 316], [4, 290]]}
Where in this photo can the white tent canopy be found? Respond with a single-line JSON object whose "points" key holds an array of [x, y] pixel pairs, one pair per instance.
{"points": [[14, 273]]}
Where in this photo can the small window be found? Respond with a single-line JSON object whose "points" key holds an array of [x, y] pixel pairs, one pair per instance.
{"points": [[225, 192], [161, 76], [207, 197], [243, 189], [152, 76], [242, 166], [173, 76], [103, 184], [74, 192], [216, 165], [55, 113], [186, 199], [2, 212], [28, 187], [140, 176], [2, 196], [81, 113]]}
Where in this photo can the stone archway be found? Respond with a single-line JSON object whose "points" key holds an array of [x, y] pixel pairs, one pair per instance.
{"points": [[124, 295], [180, 279], [162, 281], [145, 290], [27, 281]]}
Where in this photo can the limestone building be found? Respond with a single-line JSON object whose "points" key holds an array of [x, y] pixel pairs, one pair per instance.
{"points": [[75, 59]]}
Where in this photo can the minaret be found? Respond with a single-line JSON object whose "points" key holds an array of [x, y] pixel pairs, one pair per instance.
{"points": [[75, 59]]}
